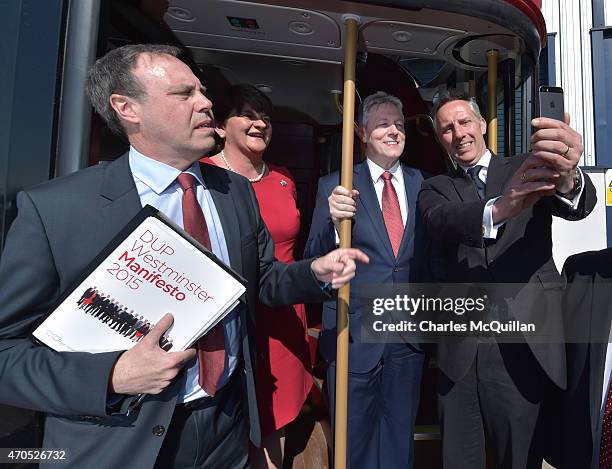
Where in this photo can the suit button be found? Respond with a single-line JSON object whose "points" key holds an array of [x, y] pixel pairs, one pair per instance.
{"points": [[396, 269], [158, 430]]}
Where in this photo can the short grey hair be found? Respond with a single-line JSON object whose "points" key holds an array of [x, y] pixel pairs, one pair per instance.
{"points": [[376, 99], [455, 95], [112, 73]]}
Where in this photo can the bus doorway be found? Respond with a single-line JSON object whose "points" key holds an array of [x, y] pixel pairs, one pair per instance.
{"points": [[293, 52]]}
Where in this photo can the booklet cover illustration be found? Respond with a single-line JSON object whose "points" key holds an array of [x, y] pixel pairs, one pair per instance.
{"points": [[152, 268]]}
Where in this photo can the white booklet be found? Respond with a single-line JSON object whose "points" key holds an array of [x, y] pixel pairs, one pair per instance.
{"points": [[151, 268]]}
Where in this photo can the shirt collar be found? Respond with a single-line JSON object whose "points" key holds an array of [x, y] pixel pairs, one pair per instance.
{"points": [[156, 175], [376, 171], [484, 161]]}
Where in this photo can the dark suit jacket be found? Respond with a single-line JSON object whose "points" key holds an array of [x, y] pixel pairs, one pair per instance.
{"points": [[575, 412], [521, 254], [60, 228], [370, 235]]}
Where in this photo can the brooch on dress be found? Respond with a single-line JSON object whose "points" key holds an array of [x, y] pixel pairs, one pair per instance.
{"points": [[283, 183]]}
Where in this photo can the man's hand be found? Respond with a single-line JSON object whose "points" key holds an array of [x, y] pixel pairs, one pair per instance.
{"points": [[532, 181], [342, 204], [558, 146], [146, 368], [338, 266]]}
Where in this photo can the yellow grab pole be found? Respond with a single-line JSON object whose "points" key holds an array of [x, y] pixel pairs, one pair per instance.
{"points": [[492, 59], [472, 88], [346, 180]]}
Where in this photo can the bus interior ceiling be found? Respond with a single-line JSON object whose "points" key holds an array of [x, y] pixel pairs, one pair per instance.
{"points": [[294, 51]]}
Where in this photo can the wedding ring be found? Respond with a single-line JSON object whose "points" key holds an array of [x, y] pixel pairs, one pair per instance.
{"points": [[566, 151], [523, 177]]}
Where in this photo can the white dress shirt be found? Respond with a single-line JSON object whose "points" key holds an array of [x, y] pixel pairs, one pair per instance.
{"points": [[397, 179], [490, 228], [157, 186]]}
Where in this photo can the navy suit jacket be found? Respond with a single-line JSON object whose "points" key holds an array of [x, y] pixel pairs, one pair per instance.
{"points": [[370, 235]]}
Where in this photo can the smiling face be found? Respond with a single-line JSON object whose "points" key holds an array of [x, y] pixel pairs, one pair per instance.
{"points": [[384, 134], [461, 132], [172, 121], [248, 131]]}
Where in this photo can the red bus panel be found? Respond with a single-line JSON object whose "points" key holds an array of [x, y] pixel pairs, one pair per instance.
{"points": [[533, 10]]}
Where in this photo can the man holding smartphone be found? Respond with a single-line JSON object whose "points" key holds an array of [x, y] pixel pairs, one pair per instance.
{"points": [[491, 219]]}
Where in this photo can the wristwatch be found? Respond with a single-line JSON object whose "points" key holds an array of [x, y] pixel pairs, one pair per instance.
{"points": [[576, 189]]}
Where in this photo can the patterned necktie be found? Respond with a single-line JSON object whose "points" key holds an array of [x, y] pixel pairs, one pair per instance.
{"points": [[474, 173], [605, 450], [211, 347], [391, 213]]}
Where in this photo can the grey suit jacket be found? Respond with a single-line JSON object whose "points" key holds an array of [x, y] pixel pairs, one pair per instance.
{"points": [[60, 227], [575, 422]]}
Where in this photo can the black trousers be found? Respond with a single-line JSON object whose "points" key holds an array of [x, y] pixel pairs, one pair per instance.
{"points": [[208, 433], [497, 403]]}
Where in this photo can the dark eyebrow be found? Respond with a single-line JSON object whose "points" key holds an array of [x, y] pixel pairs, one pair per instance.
{"points": [[184, 88]]}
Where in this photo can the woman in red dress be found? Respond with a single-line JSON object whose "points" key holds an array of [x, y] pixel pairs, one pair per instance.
{"points": [[283, 378]]}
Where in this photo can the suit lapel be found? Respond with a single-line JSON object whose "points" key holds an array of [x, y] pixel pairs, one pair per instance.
{"points": [[367, 198], [497, 176], [218, 183], [411, 191], [464, 186], [597, 351], [119, 200]]}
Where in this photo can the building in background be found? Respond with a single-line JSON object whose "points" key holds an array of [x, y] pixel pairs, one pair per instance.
{"points": [[569, 23], [578, 58]]}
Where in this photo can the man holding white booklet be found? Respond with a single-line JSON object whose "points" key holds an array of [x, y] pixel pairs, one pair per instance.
{"points": [[147, 94]]}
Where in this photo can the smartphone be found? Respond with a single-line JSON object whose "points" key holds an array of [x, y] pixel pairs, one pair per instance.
{"points": [[551, 102]]}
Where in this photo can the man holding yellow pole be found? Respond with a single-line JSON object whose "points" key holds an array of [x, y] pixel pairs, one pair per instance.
{"points": [[383, 379]]}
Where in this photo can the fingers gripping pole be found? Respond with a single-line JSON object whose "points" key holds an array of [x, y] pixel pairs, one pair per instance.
{"points": [[346, 179]]}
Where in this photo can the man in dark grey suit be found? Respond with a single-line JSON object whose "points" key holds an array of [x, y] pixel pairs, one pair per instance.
{"points": [[577, 412], [153, 98], [491, 219]]}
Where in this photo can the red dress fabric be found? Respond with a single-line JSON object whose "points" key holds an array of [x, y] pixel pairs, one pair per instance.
{"points": [[282, 375]]}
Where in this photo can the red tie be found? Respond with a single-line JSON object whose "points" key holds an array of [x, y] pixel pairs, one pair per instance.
{"points": [[391, 213], [605, 450], [211, 347]]}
